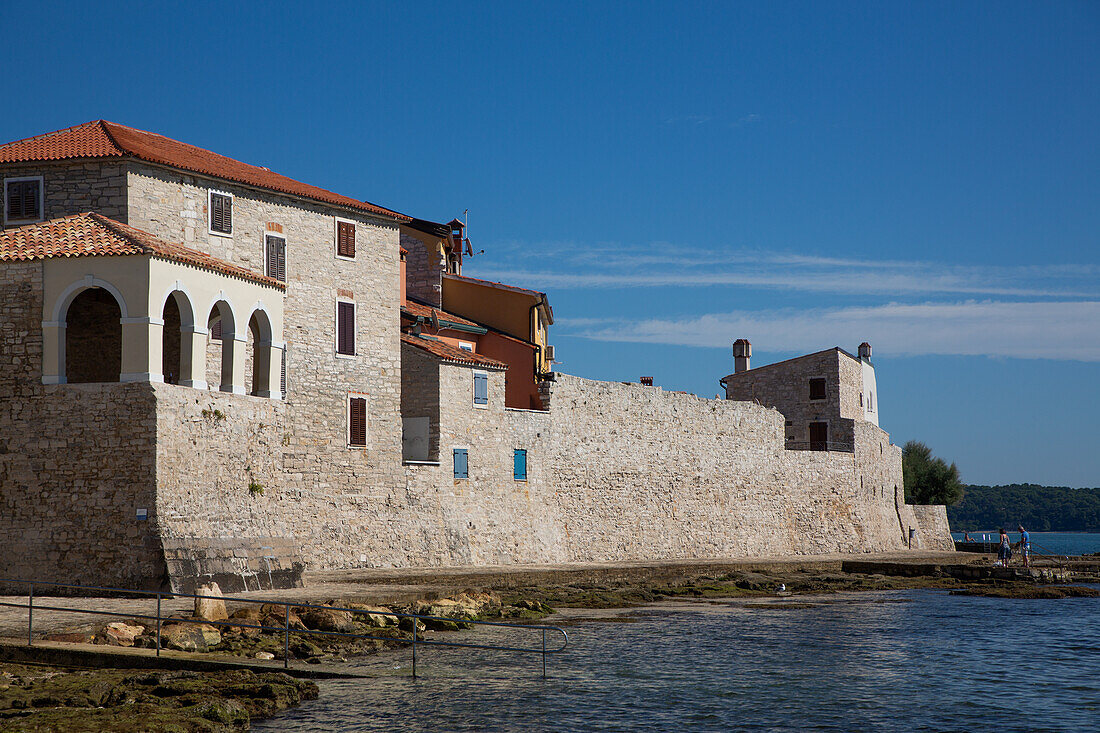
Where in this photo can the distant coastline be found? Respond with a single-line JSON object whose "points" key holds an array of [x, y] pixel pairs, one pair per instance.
{"points": [[1038, 508]]}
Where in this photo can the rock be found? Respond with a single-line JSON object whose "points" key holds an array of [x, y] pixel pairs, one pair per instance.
{"points": [[120, 634], [210, 609], [274, 616], [305, 650], [190, 637], [250, 615], [406, 624], [373, 616], [318, 619], [264, 655]]}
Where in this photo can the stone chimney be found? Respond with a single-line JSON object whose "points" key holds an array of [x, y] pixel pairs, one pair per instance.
{"points": [[742, 352], [647, 381], [865, 351]]}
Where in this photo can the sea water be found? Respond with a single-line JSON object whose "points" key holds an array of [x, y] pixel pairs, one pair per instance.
{"points": [[920, 660], [1043, 543]]}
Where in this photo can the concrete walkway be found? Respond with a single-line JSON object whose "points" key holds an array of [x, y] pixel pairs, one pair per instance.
{"points": [[386, 586]]}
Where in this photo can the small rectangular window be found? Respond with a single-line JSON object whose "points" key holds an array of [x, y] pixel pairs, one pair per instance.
{"points": [[221, 213], [22, 200], [870, 402], [466, 346], [481, 389], [357, 421], [462, 463], [519, 460], [817, 389], [345, 328], [282, 373], [345, 238], [275, 257]]}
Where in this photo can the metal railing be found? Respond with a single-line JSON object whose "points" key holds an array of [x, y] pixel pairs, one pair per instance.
{"points": [[822, 445], [159, 618]]}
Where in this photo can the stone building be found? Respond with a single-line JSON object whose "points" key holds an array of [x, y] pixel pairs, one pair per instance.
{"points": [[209, 370], [820, 395]]}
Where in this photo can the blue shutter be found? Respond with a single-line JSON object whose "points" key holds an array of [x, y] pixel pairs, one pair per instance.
{"points": [[520, 461], [481, 389], [461, 463]]}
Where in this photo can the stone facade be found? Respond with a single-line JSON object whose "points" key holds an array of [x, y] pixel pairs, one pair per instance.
{"points": [[248, 490], [425, 266], [70, 188]]}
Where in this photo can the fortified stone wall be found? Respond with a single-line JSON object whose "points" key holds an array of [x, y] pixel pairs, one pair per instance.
{"points": [[76, 461], [71, 188]]}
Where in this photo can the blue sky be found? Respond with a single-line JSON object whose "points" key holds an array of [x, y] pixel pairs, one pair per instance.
{"points": [[924, 176]]}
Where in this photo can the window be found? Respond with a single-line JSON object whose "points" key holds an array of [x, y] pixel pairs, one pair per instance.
{"points": [[221, 213], [519, 461], [481, 389], [817, 389], [462, 463], [345, 239], [275, 257], [345, 328], [357, 420], [23, 200], [465, 346], [870, 402]]}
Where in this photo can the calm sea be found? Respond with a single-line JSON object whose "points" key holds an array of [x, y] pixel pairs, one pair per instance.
{"points": [[1048, 543], [889, 661]]}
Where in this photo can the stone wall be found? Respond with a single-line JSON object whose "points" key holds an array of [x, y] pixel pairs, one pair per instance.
{"points": [[420, 392], [424, 273], [71, 188]]}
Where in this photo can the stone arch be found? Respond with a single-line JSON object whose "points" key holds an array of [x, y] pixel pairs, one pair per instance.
{"points": [[261, 352], [61, 306], [223, 347], [92, 336], [178, 330]]}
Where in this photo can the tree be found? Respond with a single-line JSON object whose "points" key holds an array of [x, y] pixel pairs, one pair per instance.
{"points": [[928, 480]]}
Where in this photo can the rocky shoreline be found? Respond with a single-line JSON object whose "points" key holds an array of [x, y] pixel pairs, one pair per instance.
{"points": [[53, 699]]}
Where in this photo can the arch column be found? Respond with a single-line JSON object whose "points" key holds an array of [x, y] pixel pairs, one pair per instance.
{"points": [[193, 356], [234, 350], [53, 352], [269, 368], [141, 349]]}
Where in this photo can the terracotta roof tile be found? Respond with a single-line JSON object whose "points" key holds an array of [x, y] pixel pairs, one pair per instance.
{"points": [[449, 353], [94, 235], [102, 139], [425, 311]]}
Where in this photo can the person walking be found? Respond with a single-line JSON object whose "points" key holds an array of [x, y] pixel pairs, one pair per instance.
{"points": [[1005, 550], [1025, 546]]}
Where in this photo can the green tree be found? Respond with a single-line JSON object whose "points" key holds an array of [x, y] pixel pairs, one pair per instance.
{"points": [[928, 480]]}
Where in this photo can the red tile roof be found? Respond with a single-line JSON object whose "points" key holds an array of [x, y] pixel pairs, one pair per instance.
{"points": [[94, 235], [449, 353], [102, 139], [425, 311]]}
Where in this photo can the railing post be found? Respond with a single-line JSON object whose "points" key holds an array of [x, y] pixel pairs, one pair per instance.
{"points": [[414, 646], [158, 623], [286, 640], [30, 615]]}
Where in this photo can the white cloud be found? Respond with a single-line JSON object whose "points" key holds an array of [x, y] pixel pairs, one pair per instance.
{"points": [[614, 266], [1030, 330]]}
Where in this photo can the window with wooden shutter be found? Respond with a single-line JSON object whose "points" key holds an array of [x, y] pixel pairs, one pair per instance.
{"points": [[481, 389], [216, 330], [817, 389], [275, 257], [345, 239], [282, 374], [221, 213], [345, 328], [519, 461], [357, 421], [23, 199], [462, 463]]}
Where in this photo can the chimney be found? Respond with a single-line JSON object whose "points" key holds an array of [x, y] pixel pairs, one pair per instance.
{"points": [[742, 352], [865, 351], [647, 381]]}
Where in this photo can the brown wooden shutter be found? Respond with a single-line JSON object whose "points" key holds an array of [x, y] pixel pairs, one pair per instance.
{"points": [[276, 258], [216, 330], [345, 328], [282, 375], [22, 200], [358, 419], [221, 213], [345, 239]]}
